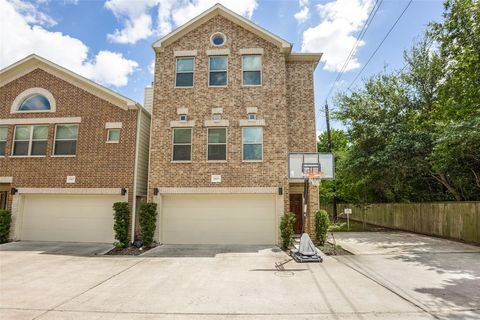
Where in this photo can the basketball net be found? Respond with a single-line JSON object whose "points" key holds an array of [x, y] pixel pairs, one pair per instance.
{"points": [[314, 177]]}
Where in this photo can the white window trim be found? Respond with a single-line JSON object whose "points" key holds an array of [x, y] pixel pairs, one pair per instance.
{"points": [[182, 144], [243, 159], [108, 135], [113, 125], [193, 71], [55, 140], [6, 139], [29, 92], [224, 39], [215, 144], [30, 140], [209, 71], [261, 71]]}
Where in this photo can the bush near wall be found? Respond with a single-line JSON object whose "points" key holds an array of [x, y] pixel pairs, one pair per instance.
{"points": [[148, 222], [287, 223], [121, 217], [5, 223], [321, 226]]}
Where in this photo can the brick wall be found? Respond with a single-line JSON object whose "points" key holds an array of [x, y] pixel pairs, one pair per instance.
{"points": [[97, 164]]}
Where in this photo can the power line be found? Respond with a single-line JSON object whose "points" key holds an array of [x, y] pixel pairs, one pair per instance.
{"points": [[362, 33], [380, 44]]}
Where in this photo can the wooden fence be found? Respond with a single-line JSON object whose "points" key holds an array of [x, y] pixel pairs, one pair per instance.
{"points": [[455, 220]]}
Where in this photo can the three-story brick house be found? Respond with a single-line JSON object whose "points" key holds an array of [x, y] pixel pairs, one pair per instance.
{"points": [[231, 101]]}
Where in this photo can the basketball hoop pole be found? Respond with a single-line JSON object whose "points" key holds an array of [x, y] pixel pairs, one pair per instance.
{"points": [[305, 202]]}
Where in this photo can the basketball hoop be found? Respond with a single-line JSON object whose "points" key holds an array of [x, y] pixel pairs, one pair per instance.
{"points": [[314, 177]]}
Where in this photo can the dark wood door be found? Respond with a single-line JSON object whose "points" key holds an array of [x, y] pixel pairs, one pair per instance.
{"points": [[3, 200], [296, 208]]}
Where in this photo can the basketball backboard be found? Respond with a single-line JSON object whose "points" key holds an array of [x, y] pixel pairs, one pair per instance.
{"points": [[298, 161]]}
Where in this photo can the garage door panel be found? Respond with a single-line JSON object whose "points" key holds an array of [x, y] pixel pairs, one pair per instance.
{"points": [[218, 219], [76, 218]]}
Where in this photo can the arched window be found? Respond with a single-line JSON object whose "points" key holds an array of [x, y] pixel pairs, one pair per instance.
{"points": [[34, 100]]}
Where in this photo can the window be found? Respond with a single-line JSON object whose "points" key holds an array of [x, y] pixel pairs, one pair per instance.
{"points": [[252, 116], [185, 72], [217, 144], [252, 144], [217, 75], [66, 136], [252, 70], [3, 140], [30, 141], [183, 117], [113, 135], [182, 144], [217, 39], [35, 102], [216, 117]]}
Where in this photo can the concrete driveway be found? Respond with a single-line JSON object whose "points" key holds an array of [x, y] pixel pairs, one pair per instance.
{"points": [[440, 276], [228, 283]]}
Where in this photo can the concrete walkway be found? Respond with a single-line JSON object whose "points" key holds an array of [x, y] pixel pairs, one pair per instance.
{"points": [[232, 285], [439, 276]]}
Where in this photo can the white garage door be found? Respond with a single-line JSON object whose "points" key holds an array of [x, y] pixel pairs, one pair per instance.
{"points": [[218, 219], [76, 218]]}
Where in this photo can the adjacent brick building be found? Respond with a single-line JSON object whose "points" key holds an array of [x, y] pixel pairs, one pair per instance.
{"points": [[69, 149], [230, 103]]}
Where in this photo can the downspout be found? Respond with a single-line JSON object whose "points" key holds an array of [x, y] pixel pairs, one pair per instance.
{"points": [[134, 201]]}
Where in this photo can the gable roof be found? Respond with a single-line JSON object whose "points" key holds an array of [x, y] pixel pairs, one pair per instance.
{"points": [[218, 9], [33, 61]]}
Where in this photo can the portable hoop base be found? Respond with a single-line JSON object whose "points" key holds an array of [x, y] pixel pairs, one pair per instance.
{"points": [[300, 258]]}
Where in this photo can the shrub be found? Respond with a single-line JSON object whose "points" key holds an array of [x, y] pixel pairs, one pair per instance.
{"points": [[287, 223], [121, 217], [148, 219], [5, 222], [321, 226]]}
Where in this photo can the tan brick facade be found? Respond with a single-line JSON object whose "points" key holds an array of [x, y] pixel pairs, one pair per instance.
{"points": [[285, 101]]}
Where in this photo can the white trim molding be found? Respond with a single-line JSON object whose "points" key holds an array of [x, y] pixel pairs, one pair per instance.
{"points": [[251, 123], [217, 110], [217, 123], [112, 191], [113, 125], [252, 110], [54, 120], [6, 179], [218, 52], [210, 190], [251, 51], [182, 124], [185, 53], [30, 92]]}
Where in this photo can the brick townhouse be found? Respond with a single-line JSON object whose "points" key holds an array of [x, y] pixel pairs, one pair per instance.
{"points": [[232, 107]]}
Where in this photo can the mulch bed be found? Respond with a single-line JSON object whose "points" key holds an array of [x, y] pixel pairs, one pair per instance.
{"points": [[128, 251], [333, 250]]}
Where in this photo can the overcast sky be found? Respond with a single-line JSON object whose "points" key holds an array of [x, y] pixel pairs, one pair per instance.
{"points": [[110, 41]]}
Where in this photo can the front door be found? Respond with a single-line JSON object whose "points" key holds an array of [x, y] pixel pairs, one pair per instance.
{"points": [[296, 208]]}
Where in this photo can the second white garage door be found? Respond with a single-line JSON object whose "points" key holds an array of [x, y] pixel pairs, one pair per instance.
{"points": [[218, 219], [75, 218]]}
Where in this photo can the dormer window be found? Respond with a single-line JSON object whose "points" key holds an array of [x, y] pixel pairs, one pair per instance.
{"points": [[33, 100], [252, 116], [183, 117]]}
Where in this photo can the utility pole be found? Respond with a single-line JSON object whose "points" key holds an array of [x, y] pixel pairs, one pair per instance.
{"points": [[329, 141]]}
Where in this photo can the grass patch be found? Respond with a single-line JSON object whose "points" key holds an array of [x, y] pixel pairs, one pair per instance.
{"points": [[355, 226]]}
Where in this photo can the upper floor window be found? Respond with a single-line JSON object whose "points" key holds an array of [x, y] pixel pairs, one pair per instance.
{"points": [[30, 141], [66, 136], [252, 139], [3, 140], [217, 75], [185, 72], [217, 144], [33, 100], [252, 70], [113, 135], [217, 39], [182, 144]]}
